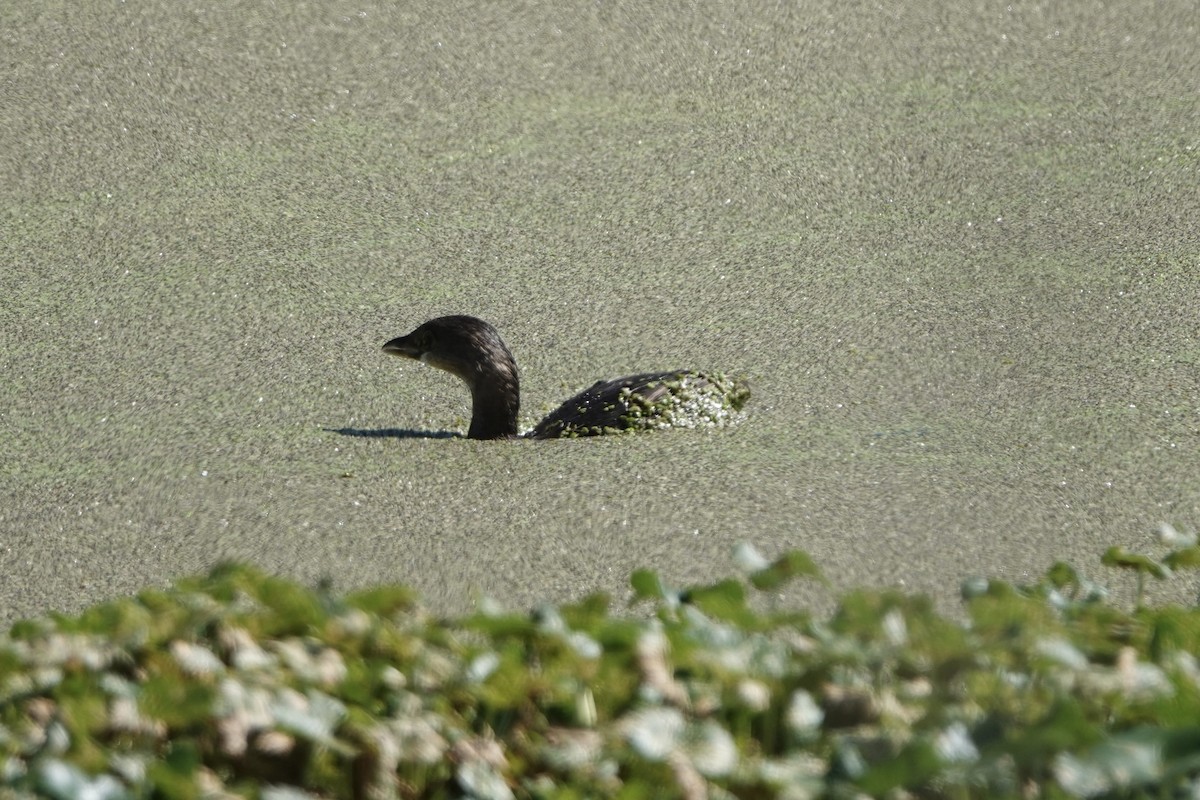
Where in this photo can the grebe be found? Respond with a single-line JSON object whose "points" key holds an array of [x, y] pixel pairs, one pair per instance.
{"points": [[473, 350]]}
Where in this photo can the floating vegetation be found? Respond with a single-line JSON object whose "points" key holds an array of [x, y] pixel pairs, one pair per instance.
{"points": [[690, 401], [649, 402], [239, 684]]}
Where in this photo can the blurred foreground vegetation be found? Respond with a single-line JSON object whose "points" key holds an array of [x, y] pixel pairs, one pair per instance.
{"points": [[239, 684]]}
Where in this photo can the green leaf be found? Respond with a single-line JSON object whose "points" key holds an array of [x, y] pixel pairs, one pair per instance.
{"points": [[176, 700], [589, 611], [791, 564], [1064, 727], [1123, 559], [1174, 629], [298, 609], [646, 585], [725, 600], [175, 776], [1187, 558], [386, 601], [911, 768], [1062, 574]]}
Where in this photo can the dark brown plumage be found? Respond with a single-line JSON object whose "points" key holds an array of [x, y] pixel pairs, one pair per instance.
{"points": [[473, 350]]}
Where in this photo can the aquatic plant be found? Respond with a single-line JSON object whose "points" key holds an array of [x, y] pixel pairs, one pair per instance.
{"points": [[240, 684]]}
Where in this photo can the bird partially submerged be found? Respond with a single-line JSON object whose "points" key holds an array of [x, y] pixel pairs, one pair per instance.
{"points": [[472, 349]]}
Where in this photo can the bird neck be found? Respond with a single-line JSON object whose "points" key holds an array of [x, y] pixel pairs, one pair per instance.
{"points": [[495, 402]]}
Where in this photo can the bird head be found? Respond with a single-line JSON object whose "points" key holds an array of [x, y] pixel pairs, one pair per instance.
{"points": [[461, 345]]}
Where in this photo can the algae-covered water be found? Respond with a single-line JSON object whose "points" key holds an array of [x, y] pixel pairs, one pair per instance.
{"points": [[955, 248]]}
